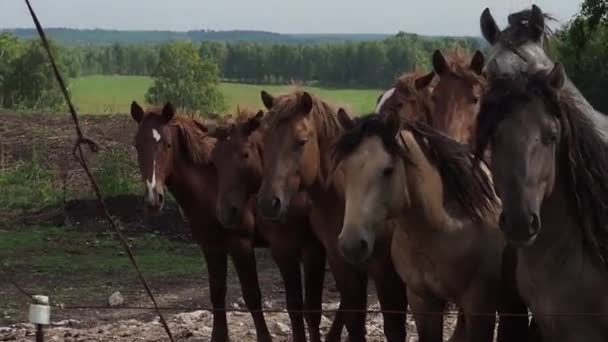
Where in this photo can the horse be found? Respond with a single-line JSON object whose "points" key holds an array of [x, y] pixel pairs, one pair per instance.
{"points": [[238, 157], [300, 129], [521, 47], [549, 165], [409, 95], [456, 93], [174, 151], [447, 245]]}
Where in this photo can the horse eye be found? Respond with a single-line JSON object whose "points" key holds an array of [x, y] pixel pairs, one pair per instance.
{"points": [[550, 138], [475, 100], [245, 155], [301, 143], [387, 172]]}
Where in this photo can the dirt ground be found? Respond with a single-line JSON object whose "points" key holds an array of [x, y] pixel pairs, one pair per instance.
{"points": [[53, 136]]}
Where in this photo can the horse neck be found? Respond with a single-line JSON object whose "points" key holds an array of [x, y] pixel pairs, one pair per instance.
{"points": [[188, 181], [425, 189]]}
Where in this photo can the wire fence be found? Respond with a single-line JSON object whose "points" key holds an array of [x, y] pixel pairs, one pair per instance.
{"points": [[78, 153]]}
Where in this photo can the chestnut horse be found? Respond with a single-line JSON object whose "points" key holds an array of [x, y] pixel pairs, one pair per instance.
{"points": [[455, 97], [550, 168], [238, 159], [410, 96], [174, 151], [447, 246], [300, 130]]}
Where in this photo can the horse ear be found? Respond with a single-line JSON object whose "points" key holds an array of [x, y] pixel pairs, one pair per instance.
{"points": [[267, 99], [393, 121], [489, 28], [439, 63], [557, 76], [168, 112], [536, 23], [254, 122], [423, 81], [305, 104], [345, 119], [137, 112], [477, 62]]}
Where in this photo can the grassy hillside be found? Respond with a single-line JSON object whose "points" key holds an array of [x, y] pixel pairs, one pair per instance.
{"points": [[112, 94]]}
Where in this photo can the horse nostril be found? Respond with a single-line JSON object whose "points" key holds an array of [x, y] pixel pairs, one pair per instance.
{"points": [[161, 199], [502, 221], [534, 226], [363, 246], [276, 203], [233, 211]]}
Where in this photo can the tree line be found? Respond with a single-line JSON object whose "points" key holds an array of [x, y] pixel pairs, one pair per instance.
{"points": [[190, 72]]}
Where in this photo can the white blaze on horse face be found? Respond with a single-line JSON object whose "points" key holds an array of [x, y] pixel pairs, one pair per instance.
{"points": [[152, 183], [155, 135], [387, 95]]}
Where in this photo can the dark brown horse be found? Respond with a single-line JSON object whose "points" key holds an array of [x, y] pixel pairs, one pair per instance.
{"points": [[238, 159], [550, 169], [456, 94], [297, 151], [521, 47], [174, 151], [410, 96]]}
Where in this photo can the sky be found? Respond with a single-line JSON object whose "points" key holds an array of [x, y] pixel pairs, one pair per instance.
{"points": [[428, 17]]}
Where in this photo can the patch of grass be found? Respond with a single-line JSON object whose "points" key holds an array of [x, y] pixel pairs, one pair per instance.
{"points": [[108, 94], [111, 94], [28, 184], [117, 173]]}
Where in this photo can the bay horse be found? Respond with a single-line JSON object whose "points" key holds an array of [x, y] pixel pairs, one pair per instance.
{"points": [[410, 96], [447, 245], [238, 158], [174, 151], [299, 131], [521, 47], [456, 93], [550, 165]]}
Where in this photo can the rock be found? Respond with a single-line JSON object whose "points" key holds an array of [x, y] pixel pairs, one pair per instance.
{"points": [[116, 299], [325, 321], [330, 306], [235, 306], [281, 329], [267, 304], [241, 302]]}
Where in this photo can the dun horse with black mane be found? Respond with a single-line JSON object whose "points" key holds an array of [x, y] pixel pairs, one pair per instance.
{"points": [[447, 246]]}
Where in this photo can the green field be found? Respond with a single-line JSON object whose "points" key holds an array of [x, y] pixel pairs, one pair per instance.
{"points": [[112, 94]]}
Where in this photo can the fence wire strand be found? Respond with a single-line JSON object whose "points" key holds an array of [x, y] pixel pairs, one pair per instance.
{"points": [[80, 157]]}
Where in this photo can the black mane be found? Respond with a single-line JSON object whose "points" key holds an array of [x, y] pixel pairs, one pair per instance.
{"points": [[469, 187]]}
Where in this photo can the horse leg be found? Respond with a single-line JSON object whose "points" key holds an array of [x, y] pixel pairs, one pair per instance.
{"points": [[534, 334], [289, 266], [460, 332], [511, 327], [352, 285], [392, 297], [480, 316], [243, 257], [217, 265], [428, 314], [314, 277]]}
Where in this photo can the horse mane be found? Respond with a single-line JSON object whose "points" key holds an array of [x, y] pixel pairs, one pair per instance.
{"points": [[195, 141], [463, 184], [518, 31], [583, 155], [459, 61], [323, 115]]}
